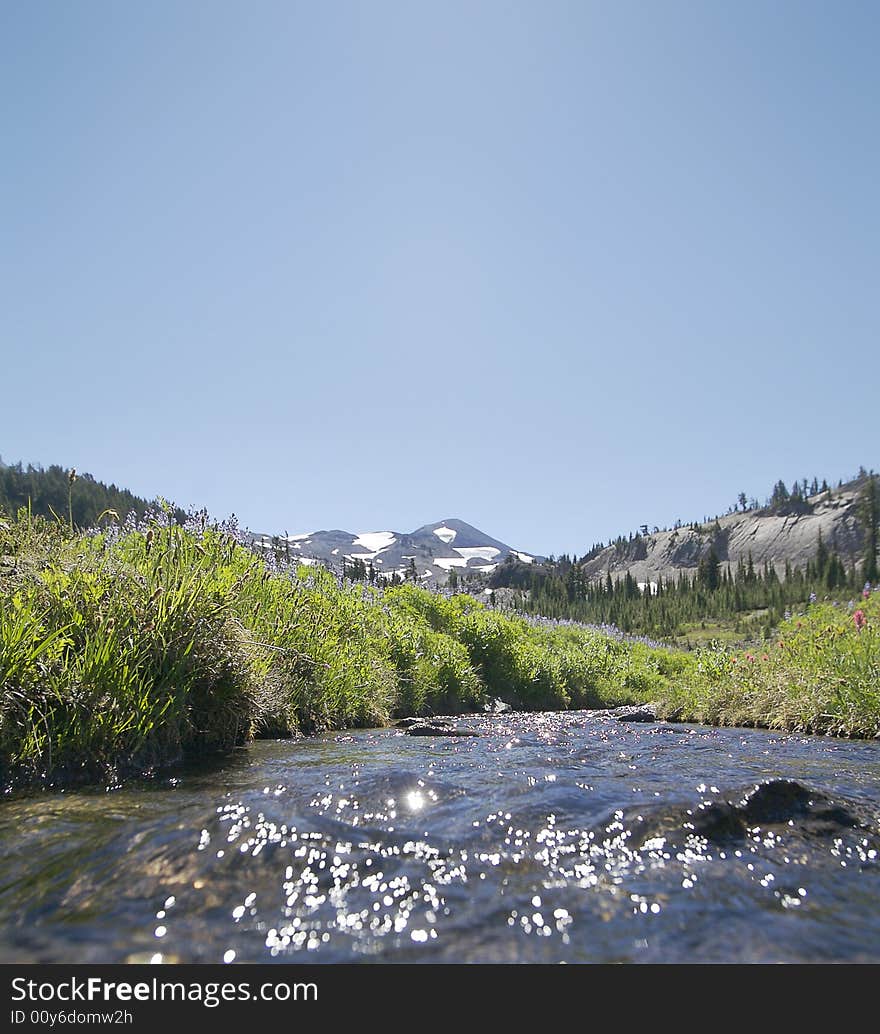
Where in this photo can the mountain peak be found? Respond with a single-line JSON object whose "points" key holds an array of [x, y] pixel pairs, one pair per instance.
{"points": [[434, 549]]}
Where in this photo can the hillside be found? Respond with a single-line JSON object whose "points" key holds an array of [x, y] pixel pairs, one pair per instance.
{"points": [[787, 535], [780, 536], [49, 492], [732, 578]]}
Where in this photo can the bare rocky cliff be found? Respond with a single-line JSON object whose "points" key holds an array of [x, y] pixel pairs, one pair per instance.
{"points": [[774, 537]]}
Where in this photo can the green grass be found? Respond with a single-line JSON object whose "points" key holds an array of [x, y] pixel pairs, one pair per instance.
{"points": [[713, 631], [820, 673], [125, 652]]}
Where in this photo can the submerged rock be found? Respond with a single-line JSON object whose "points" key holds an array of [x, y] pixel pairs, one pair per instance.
{"points": [[783, 800], [775, 803]]}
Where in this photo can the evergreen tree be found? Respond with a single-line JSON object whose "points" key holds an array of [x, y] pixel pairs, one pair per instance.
{"points": [[707, 572], [869, 514], [780, 494], [821, 566]]}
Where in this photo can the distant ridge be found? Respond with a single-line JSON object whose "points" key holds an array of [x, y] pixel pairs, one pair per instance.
{"points": [[780, 535], [434, 550], [46, 490]]}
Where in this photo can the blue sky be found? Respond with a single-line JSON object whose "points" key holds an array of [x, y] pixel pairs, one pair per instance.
{"points": [[557, 269]]}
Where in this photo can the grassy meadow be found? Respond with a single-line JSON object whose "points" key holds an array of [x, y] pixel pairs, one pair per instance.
{"points": [[820, 672], [132, 647]]}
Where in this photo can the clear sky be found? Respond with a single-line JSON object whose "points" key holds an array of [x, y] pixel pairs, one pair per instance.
{"points": [[557, 269]]}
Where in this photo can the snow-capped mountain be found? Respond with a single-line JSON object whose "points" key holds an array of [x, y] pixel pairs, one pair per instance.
{"points": [[435, 549]]}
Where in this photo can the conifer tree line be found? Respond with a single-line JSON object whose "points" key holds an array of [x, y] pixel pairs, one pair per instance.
{"points": [[663, 607], [61, 493], [356, 570], [755, 597]]}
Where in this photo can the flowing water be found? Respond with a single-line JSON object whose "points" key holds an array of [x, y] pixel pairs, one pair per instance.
{"points": [[551, 837]]}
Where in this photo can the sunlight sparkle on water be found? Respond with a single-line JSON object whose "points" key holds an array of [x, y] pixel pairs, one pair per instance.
{"points": [[552, 856]]}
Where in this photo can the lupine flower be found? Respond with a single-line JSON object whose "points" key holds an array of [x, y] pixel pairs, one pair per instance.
{"points": [[813, 597], [606, 629]]}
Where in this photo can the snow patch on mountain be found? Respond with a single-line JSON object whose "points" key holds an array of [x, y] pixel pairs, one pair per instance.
{"points": [[445, 534], [375, 541], [446, 562], [481, 552]]}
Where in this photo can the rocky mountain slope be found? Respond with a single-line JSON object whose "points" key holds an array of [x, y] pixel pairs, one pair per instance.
{"points": [[775, 536], [434, 549]]}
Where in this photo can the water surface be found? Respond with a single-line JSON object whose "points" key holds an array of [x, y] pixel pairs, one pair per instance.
{"points": [[550, 838]]}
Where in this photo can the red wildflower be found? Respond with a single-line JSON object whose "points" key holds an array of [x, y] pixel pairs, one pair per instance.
{"points": [[859, 619], [764, 657]]}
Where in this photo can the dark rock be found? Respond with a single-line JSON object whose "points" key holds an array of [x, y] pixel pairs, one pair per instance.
{"points": [[718, 822], [782, 800], [642, 713], [433, 728], [777, 802]]}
